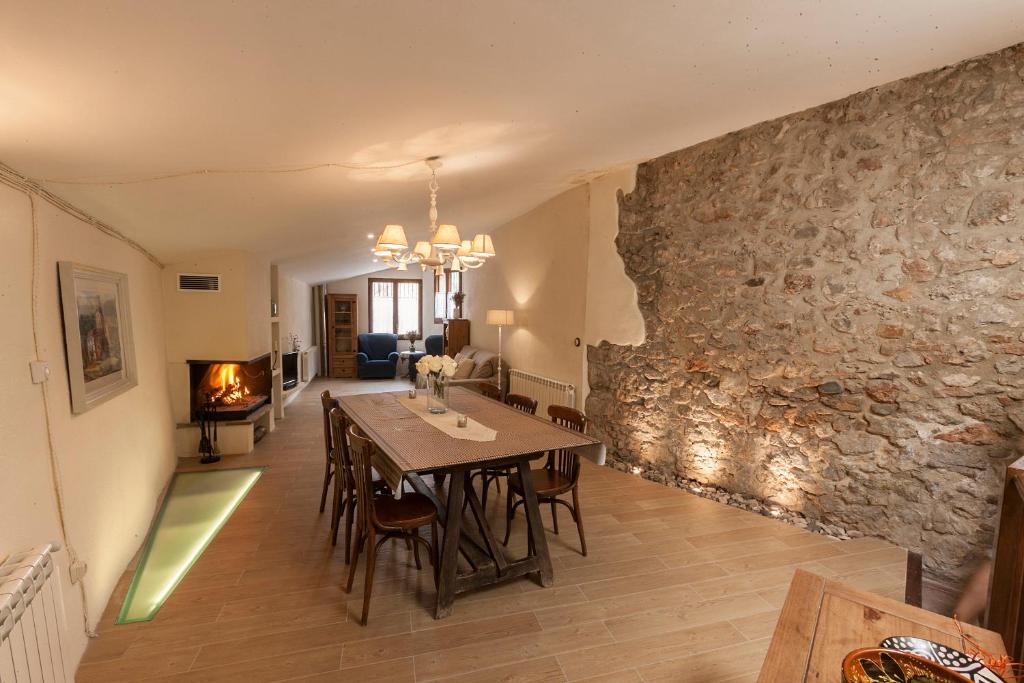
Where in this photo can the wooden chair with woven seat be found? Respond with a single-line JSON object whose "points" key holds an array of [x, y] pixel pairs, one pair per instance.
{"points": [[560, 475], [344, 482], [494, 474], [328, 404], [384, 515]]}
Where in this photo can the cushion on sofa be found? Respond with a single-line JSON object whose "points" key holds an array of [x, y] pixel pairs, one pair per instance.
{"points": [[486, 364], [465, 368], [467, 351]]}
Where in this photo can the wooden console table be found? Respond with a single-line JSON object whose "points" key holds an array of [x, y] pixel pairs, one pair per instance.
{"points": [[823, 620]]}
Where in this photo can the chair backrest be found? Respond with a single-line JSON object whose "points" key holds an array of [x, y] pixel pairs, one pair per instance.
{"points": [[566, 461], [489, 390], [1006, 588], [377, 345], [339, 438], [434, 344], [328, 404], [523, 403], [361, 449]]}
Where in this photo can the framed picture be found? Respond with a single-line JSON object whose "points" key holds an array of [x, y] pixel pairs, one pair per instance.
{"points": [[97, 334]]}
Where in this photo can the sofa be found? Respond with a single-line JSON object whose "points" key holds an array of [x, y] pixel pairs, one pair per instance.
{"points": [[484, 366], [378, 356], [432, 345]]}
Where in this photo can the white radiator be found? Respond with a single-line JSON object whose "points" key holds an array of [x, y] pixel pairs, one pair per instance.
{"points": [[544, 390], [31, 618]]}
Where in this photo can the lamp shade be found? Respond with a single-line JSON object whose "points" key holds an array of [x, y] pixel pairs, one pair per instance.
{"points": [[482, 247], [498, 316], [393, 238], [446, 238], [422, 249]]}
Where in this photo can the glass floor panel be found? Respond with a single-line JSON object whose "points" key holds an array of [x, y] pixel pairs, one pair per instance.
{"points": [[197, 506]]}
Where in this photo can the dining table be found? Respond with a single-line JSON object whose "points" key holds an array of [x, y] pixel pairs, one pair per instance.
{"points": [[822, 620], [412, 442]]}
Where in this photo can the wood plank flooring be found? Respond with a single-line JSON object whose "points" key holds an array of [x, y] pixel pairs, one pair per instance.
{"points": [[676, 588]]}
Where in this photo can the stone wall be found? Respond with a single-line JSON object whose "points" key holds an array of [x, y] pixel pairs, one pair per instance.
{"points": [[833, 303]]}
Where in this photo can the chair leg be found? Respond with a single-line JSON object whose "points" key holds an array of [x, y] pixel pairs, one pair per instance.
{"points": [[579, 518], [435, 542], [328, 473], [371, 560], [360, 537], [509, 512], [350, 512], [416, 549], [336, 513], [554, 516]]}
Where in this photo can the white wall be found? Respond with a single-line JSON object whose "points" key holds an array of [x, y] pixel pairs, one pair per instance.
{"points": [[295, 302], [114, 461], [541, 273], [613, 314], [360, 287]]}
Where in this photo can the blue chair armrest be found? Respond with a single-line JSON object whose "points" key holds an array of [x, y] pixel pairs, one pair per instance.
{"points": [[362, 358], [393, 356]]}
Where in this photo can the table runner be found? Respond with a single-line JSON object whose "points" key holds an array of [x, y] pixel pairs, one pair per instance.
{"points": [[410, 444], [448, 422]]}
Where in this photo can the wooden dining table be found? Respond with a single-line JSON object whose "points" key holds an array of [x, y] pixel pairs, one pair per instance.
{"points": [[409, 446], [823, 620]]}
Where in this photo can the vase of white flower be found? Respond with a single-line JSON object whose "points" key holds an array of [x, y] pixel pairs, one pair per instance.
{"points": [[438, 370]]}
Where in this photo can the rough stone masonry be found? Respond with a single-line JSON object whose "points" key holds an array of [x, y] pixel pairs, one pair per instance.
{"points": [[834, 303]]}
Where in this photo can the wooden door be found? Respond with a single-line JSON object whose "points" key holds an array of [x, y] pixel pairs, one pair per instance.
{"points": [[341, 337]]}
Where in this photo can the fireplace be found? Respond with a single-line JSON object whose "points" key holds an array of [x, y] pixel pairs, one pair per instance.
{"points": [[236, 389]]}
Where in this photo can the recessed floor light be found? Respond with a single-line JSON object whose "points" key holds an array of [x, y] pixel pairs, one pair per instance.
{"points": [[197, 506]]}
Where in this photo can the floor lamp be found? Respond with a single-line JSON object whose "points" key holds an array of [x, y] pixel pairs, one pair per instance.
{"points": [[500, 317]]}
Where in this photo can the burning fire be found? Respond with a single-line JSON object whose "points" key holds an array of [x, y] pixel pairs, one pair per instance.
{"points": [[226, 384]]}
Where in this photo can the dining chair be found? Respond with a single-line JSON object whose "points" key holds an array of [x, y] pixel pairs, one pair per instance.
{"points": [[328, 404], [489, 390], [345, 494], [384, 515], [494, 474], [560, 475]]}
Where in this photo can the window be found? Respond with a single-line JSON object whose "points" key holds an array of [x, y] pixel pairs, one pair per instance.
{"points": [[396, 307], [445, 287]]}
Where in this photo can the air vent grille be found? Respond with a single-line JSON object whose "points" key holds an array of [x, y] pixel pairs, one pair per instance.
{"points": [[196, 282]]}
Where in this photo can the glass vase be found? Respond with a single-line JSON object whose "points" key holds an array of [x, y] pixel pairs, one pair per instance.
{"points": [[437, 394]]}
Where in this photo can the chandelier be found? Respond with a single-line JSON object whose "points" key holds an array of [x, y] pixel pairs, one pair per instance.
{"points": [[444, 249]]}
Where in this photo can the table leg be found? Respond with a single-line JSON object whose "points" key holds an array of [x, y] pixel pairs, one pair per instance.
{"points": [[450, 551], [536, 526]]}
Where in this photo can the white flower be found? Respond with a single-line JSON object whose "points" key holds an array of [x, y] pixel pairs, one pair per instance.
{"points": [[421, 366], [449, 366], [435, 363]]}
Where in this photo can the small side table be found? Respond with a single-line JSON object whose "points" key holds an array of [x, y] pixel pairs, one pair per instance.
{"points": [[403, 362]]}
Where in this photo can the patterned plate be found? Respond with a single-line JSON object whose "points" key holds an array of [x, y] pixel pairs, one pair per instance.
{"points": [[957, 661], [875, 665]]}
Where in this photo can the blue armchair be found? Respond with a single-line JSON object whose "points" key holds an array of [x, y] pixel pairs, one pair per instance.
{"points": [[378, 356], [434, 345]]}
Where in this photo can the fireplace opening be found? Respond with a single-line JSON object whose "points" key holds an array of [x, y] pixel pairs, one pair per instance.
{"points": [[230, 390]]}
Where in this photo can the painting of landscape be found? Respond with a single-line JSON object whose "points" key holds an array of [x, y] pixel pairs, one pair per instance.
{"points": [[98, 328]]}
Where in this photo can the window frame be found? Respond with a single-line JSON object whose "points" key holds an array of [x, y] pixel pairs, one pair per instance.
{"points": [[394, 314], [448, 292]]}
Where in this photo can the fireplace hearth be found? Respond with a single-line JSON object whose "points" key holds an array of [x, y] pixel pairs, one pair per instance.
{"points": [[229, 390]]}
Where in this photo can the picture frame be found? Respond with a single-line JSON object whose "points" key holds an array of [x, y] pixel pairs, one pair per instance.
{"points": [[98, 343]]}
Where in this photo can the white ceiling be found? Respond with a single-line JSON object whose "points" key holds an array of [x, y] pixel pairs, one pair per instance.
{"points": [[522, 98]]}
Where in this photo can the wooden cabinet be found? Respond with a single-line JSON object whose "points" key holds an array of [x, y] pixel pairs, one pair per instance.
{"points": [[342, 326], [456, 335]]}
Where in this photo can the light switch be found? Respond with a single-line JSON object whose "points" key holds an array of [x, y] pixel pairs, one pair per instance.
{"points": [[40, 371]]}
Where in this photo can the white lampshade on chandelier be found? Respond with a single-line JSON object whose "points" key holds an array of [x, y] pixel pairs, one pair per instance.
{"points": [[444, 249]]}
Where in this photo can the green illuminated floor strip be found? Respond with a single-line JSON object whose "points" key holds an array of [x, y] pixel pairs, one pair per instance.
{"points": [[197, 506]]}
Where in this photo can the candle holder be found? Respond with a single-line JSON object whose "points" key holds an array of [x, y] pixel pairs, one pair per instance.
{"points": [[462, 420], [412, 393]]}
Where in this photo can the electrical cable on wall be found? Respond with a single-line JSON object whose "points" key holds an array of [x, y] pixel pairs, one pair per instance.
{"points": [[226, 171]]}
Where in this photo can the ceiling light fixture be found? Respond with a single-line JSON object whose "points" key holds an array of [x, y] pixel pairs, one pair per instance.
{"points": [[444, 249]]}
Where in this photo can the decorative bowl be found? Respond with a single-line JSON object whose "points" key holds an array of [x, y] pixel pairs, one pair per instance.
{"points": [[967, 666], [877, 665]]}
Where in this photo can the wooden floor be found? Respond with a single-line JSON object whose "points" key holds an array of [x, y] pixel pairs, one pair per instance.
{"points": [[676, 588]]}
